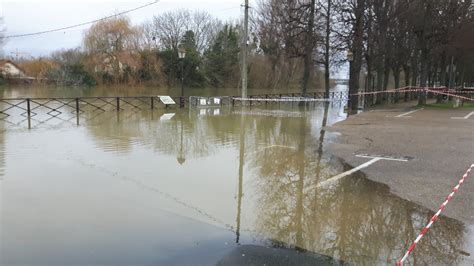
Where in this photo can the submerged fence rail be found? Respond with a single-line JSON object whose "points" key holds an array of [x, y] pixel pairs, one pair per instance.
{"points": [[41, 109], [19, 111]]}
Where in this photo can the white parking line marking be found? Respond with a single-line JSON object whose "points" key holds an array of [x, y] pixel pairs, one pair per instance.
{"points": [[401, 159], [407, 113], [464, 117], [375, 159]]}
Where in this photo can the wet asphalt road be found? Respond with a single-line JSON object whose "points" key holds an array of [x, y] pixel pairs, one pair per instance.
{"points": [[442, 147]]}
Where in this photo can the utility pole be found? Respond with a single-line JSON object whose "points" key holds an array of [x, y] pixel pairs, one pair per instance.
{"points": [[245, 50], [19, 55]]}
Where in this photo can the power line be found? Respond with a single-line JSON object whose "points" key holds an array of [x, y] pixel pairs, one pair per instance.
{"points": [[229, 8], [77, 25]]}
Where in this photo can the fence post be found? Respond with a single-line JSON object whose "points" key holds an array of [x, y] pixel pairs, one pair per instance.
{"points": [[28, 111], [77, 111], [152, 103], [118, 103], [77, 105]]}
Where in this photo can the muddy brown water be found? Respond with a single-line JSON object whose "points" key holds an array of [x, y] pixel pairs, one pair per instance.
{"points": [[198, 186]]}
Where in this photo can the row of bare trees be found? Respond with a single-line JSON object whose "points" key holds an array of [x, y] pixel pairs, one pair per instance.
{"points": [[422, 43]]}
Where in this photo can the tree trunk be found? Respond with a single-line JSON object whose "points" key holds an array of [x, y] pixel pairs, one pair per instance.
{"points": [[414, 76], [442, 76], [368, 60], [379, 85], [463, 75], [396, 78], [355, 65], [386, 76], [308, 58], [406, 72], [423, 76], [327, 44]]}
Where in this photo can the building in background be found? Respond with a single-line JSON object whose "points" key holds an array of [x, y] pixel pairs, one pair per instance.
{"points": [[8, 69]]}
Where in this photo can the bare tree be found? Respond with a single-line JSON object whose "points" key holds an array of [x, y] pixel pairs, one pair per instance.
{"points": [[170, 27], [110, 45], [329, 44], [353, 31], [309, 48], [280, 27], [2, 39]]}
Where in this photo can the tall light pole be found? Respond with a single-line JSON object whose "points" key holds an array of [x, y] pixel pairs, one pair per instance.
{"points": [[244, 50], [181, 56], [352, 99]]}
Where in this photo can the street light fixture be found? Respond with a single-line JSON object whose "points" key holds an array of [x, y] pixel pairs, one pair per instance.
{"points": [[181, 53], [350, 55], [181, 56]]}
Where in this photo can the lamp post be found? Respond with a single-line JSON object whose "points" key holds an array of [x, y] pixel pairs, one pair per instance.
{"points": [[352, 99], [181, 56]]}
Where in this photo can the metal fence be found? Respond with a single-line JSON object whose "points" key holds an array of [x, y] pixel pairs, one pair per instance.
{"points": [[31, 111]]}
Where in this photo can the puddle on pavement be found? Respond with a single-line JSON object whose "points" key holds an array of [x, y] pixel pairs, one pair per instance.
{"points": [[202, 187]]}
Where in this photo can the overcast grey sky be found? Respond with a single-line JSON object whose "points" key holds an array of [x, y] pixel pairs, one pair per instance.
{"points": [[23, 16], [26, 16]]}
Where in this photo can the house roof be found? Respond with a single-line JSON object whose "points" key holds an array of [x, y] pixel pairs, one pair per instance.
{"points": [[6, 61]]}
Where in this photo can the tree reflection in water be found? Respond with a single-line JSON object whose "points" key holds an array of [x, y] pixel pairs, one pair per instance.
{"points": [[358, 220], [2, 149]]}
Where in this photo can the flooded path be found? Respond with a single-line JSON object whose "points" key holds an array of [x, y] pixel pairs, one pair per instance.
{"points": [[195, 186]]}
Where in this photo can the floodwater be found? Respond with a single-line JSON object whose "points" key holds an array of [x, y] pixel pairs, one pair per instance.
{"points": [[202, 186]]}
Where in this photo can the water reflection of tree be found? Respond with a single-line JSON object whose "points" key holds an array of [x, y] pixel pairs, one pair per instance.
{"points": [[2, 148], [183, 135], [2, 136], [358, 220]]}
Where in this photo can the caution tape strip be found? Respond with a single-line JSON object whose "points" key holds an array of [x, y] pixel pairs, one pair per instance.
{"points": [[435, 216], [296, 99], [402, 90], [387, 91], [453, 95]]}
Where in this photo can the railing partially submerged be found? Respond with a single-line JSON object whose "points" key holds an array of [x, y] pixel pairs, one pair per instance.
{"points": [[68, 108]]}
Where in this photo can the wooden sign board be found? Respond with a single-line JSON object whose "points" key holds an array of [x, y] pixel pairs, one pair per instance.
{"points": [[167, 100]]}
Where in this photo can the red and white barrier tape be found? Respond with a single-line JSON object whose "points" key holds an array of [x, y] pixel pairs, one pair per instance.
{"points": [[450, 94], [290, 99], [443, 89], [387, 91], [436, 216], [407, 89]]}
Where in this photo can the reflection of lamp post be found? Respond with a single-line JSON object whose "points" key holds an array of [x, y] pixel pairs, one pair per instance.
{"points": [[181, 158], [181, 56]]}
